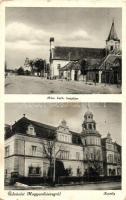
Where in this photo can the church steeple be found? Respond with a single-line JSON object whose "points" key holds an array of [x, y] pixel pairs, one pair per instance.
{"points": [[113, 35], [112, 42]]}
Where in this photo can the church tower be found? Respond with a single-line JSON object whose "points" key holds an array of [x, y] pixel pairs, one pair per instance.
{"points": [[112, 42]]}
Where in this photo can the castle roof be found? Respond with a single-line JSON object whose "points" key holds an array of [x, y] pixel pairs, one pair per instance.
{"points": [[113, 35], [77, 53], [42, 130], [88, 112]]}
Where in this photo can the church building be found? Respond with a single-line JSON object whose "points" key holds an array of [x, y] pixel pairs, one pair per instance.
{"points": [[101, 64]]}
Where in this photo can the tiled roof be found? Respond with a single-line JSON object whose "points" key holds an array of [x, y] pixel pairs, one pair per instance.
{"points": [[77, 53], [42, 130], [110, 61], [91, 65], [71, 65]]}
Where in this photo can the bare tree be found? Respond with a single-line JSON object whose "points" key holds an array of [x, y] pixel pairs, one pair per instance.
{"points": [[94, 161], [51, 151]]}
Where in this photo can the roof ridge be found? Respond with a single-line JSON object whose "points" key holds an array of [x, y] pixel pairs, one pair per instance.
{"points": [[79, 47], [43, 124]]}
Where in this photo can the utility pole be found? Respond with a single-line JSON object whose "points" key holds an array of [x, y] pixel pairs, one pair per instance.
{"points": [[54, 167], [95, 75], [105, 73]]}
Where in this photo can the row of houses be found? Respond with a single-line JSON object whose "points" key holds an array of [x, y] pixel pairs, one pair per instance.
{"points": [[32, 147], [103, 65]]}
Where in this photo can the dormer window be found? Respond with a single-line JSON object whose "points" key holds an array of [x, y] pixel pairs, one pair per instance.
{"points": [[31, 130]]}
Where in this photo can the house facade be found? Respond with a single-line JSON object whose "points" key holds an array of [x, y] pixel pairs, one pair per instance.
{"points": [[32, 147], [100, 64]]}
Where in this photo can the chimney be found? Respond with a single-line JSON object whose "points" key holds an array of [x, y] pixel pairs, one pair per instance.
{"points": [[51, 42], [51, 47]]}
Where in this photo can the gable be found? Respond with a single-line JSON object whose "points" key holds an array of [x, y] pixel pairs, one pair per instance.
{"points": [[40, 130]]}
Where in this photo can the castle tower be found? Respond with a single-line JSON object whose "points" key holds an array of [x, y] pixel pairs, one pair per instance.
{"points": [[89, 125], [112, 42], [91, 140]]}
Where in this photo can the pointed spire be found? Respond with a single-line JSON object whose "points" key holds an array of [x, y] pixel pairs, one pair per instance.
{"points": [[113, 35]]}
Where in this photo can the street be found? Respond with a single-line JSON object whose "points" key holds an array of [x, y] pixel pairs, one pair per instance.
{"points": [[86, 186], [38, 85]]}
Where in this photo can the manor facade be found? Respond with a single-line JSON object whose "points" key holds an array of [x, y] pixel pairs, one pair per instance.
{"points": [[32, 147]]}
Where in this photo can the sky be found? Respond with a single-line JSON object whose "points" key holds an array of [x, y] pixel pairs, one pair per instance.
{"points": [[28, 30], [106, 115]]}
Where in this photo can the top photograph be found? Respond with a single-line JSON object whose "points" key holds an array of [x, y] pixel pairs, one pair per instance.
{"points": [[63, 50]]}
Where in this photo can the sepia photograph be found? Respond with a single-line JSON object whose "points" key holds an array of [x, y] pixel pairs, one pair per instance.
{"points": [[63, 50], [63, 146]]}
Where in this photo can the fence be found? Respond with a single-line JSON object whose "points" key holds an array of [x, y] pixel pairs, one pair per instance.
{"points": [[63, 180]]}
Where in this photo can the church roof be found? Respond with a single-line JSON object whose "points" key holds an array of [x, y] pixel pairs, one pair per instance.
{"points": [[77, 53], [113, 35]]}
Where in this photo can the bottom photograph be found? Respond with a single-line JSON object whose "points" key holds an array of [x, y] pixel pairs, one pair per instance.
{"points": [[63, 146]]}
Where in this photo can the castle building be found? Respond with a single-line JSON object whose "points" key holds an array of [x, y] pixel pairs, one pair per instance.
{"points": [[102, 64], [31, 148]]}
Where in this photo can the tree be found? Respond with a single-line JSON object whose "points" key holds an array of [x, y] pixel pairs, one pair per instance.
{"points": [[20, 71], [94, 162], [29, 63], [36, 65], [39, 66], [51, 151]]}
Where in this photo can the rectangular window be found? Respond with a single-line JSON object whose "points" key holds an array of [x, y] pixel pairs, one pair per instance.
{"points": [[34, 171], [34, 148], [7, 151], [91, 156], [64, 154], [110, 158], [77, 156], [91, 142]]}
